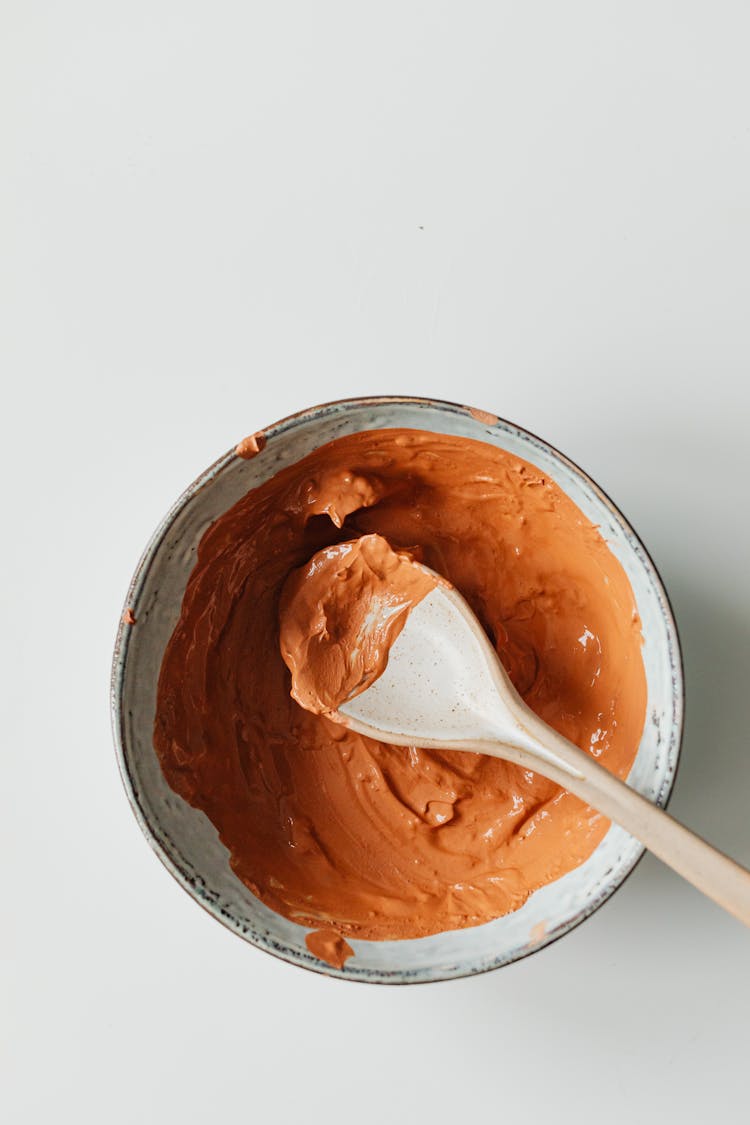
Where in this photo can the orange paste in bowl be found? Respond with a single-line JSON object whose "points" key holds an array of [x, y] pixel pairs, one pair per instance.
{"points": [[332, 829]]}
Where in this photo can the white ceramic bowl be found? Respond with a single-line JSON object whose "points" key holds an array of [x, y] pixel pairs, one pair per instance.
{"points": [[186, 841]]}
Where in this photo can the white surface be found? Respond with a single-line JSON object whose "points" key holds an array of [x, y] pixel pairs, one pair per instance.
{"points": [[215, 214]]}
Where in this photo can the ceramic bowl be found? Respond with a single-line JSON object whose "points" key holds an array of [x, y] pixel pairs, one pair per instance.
{"points": [[186, 841]]}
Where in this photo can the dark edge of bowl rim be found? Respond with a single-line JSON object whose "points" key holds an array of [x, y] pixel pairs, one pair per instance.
{"points": [[120, 656]]}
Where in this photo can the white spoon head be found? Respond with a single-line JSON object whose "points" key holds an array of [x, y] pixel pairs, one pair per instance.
{"points": [[443, 683]]}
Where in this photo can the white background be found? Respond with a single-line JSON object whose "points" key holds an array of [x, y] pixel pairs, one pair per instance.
{"points": [[215, 214]]}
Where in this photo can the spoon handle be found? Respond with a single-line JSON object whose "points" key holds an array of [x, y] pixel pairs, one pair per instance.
{"points": [[708, 869]]}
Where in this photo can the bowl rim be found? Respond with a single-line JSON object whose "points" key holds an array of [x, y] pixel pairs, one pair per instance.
{"points": [[119, 660]]}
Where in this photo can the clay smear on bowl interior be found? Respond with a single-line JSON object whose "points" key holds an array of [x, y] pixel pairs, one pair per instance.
{"points": [[483, 416], [251, 446], [329, 946]]}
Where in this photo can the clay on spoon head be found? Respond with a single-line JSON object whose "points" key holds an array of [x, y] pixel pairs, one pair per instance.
{"points": [[340, 615], [376, 640]]}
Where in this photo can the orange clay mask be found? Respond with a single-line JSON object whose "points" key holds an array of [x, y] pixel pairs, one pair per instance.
{"points": [[341, 613], [339, 832]]}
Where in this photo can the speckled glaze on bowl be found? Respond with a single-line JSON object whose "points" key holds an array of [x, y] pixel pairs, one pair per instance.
{"points": [[184, 838]]}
